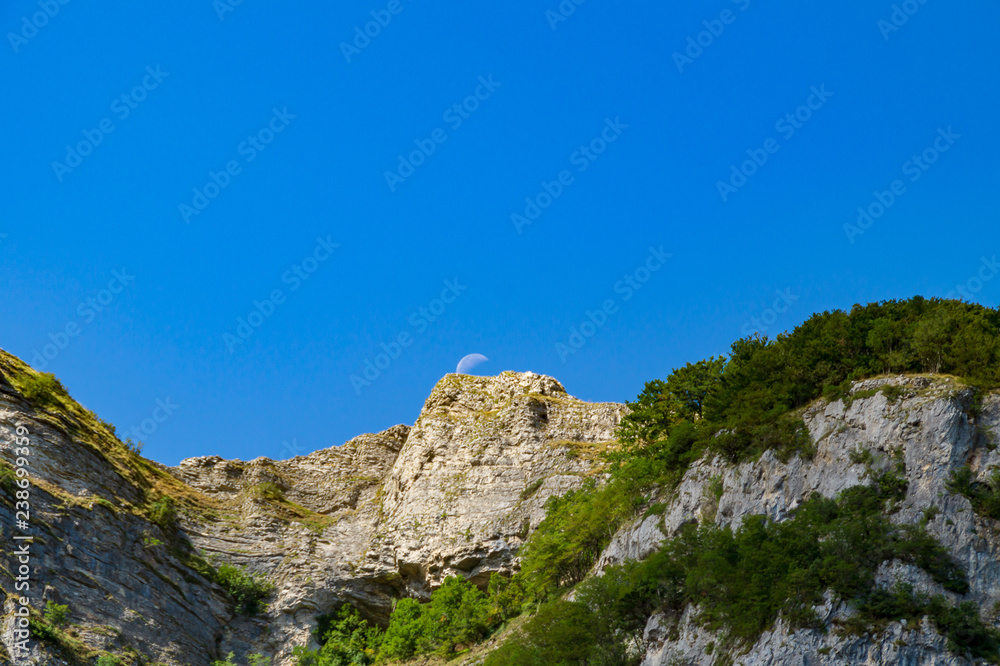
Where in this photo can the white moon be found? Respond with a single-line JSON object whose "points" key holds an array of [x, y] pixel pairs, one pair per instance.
{"points": [[469, 362]]}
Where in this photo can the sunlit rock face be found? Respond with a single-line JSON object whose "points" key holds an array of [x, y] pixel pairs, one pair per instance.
{"points": [[934, 430], [383, 516]]}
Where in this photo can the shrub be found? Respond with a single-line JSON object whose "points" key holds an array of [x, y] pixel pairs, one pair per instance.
{"points": [[576, 528], [560, 634], [151, 542], [893, 393], [8, 478], [42, 388], [344, 638], [269, 491], [163, 513], [741, 580], [56, 614], [247, 589], [405, 629], [458, 614], [228, 662], [531, 489], [985, 497], [43, 631], [961, 624], [108, 660], [110, 427]]}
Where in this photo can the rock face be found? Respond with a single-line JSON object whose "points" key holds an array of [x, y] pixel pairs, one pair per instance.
{"points": [[935, 428], [383, 516], [393, 514]]}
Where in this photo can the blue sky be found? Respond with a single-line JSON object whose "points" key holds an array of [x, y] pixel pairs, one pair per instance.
{"points": [[739, 138]]}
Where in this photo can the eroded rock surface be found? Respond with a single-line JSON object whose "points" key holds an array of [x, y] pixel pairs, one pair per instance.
{"points": [[383, 516], [934, 429]]}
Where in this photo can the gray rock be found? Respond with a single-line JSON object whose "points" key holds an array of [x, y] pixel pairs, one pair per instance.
{"points": [[383, 516], [931, 430]]}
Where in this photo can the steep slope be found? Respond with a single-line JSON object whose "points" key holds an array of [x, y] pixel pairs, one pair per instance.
{"points": [[95, 548], [380, 517], [933, 426]]}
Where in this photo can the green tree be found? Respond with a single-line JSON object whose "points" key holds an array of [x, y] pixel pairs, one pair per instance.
{"points": [[457, 614], [405, 628], [930, 340], [56, 614], [689, 385], [562, 633], [247, 589]]}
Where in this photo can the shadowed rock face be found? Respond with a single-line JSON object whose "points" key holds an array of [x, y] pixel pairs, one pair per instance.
{"points": [[383, 516]]}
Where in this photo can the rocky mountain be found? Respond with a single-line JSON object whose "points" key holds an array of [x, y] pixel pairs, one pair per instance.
{"points": [[391, 515], [935, 426], [125, 543]]}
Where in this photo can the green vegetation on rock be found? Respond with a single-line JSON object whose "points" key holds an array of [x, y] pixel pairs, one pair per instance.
{"points": [[247, 589], [985, 497], [738, 408]]}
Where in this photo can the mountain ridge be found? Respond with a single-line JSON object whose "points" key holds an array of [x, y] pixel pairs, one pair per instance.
{"points": [[382, 516]]}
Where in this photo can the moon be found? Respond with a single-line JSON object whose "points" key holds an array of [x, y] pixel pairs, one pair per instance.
{"points": [[469, 362]]}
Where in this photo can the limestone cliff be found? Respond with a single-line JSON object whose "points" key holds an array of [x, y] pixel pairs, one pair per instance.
{"points": [[457, 493], [935, 427], [377, 518]]}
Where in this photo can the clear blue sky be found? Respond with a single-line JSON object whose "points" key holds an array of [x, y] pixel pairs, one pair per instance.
{"points": [[333, 128]]}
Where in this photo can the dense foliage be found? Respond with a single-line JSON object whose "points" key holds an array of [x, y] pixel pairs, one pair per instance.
{"points": [[985, 497], [742, 407], [346, 639], [739, 581], [42, 388], [245, 588], [738, 408], [458, 615]]}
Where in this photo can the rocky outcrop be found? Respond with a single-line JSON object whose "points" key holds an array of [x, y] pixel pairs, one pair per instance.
{"points": [[393, 514], [377, 518], [934, 427], [92, 550]]}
